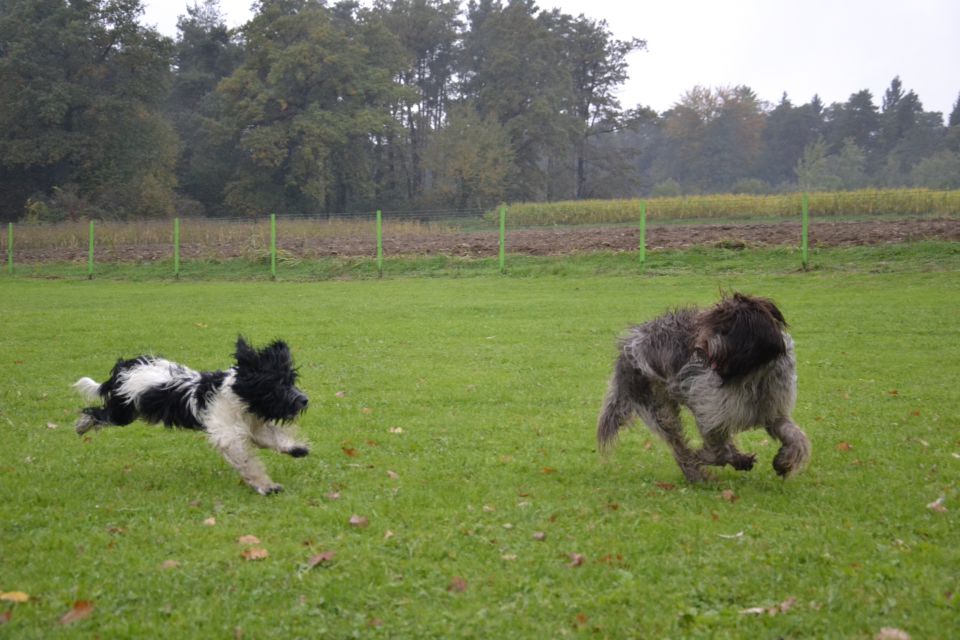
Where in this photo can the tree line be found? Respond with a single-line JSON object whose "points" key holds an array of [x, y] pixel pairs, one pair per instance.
{"points": [[312, 107]]}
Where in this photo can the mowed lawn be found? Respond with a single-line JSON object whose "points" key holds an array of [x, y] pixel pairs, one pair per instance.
{"points": [[455, 418]]}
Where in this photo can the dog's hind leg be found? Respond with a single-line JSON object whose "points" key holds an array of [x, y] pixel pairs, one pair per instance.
{"points": [[272, 436], [664, 420], [794, 450], [115, 413]]}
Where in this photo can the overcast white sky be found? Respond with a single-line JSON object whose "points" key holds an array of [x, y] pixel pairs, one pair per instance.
{"points": [[828, 47]]}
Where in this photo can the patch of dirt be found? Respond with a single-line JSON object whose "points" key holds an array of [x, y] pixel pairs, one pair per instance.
{"points": [[538, 241]]}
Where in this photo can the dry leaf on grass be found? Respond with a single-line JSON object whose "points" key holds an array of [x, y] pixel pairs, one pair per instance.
{"points": [[844, 446], [937, 505], [729, 496], [14, 596], [457, 585], [210, 522], [170, 564], [735, 536], [890, 633], [393, 475], [397, 430], [255, 553], [341, 394], [576, 560], [359, 521], [783, 607], [539, 536], [81, 611], [333, 495], [321, 558], [248, 540], [666, 486], [6, 617]]}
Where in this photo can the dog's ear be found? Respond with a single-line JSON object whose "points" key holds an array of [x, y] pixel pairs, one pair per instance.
{"points": [[245, 354]]}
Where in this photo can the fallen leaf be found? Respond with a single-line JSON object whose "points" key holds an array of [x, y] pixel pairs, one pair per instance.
{"points": [[576, 560], [488, 508], [341, 394], [666, 486], [351, 452], [457, 585], [890, 633], [81, 610], [366, 411], [254, 553], [937, 505], [396, 430], [52, 425], [729, 496], [539, 536], [321, 558], [210, 522], [549, 470], [6, 616], [508, 557], [388, 534], [582, 619], [14, 596], [170, 564], [613, 506], [375, 623], [200, 325], [248, 540], [893, 392], [844, 446], [359, 521], [333, 495], [393, 475], [738, 534], [783, 607]]}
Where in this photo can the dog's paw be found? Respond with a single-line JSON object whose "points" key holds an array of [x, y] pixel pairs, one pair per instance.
{"points": [[298, 451], [743, 461], [85, 423], [695, 474], [785, 463], [269, 489]]}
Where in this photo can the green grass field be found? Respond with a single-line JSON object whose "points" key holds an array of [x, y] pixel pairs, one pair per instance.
{"points": [[457, 416]]}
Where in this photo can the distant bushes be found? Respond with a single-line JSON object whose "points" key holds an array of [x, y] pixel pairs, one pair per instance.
{"points": [[841, 203]]}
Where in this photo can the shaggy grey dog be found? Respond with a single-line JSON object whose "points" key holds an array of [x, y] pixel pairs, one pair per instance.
{"points": [[732, 365]]}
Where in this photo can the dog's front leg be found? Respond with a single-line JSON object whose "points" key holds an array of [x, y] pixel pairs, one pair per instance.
{"points": [[795, 448], [719, 449], [272, 436], [251, 469]]}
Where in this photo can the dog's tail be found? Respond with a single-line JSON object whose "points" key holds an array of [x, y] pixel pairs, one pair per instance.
{"points": [[618, 405], [88, 388]]}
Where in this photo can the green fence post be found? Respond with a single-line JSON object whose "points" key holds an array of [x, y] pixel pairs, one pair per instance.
{"points": [[176, 248], [90, 254], [805, 225], [379, 244], [10, 248], [643, 233], [503, 233], [273, 246]]}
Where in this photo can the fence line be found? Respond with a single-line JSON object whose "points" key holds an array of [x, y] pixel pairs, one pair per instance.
{"points": [[347, 228]]}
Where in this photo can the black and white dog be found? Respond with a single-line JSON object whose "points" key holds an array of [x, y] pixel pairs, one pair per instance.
{"points": [[732, 365], [247, 404]]}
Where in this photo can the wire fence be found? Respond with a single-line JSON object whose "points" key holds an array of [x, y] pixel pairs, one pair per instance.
{"points": [[637, 226]]}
